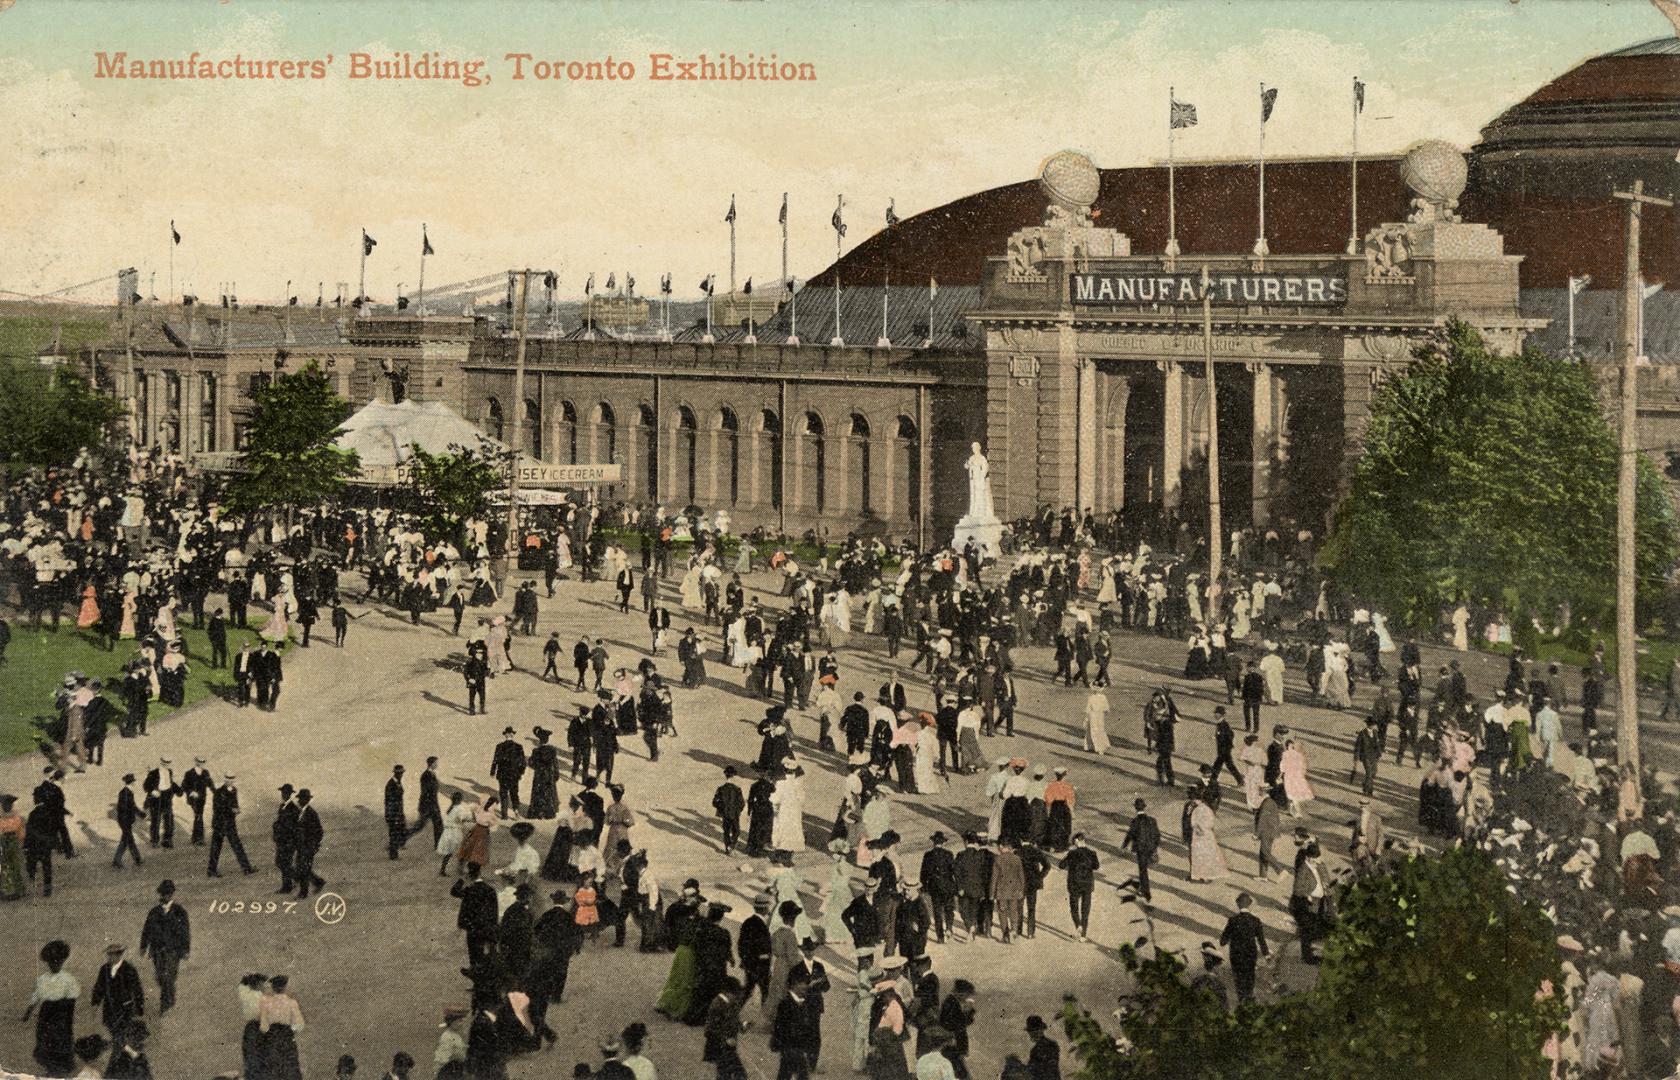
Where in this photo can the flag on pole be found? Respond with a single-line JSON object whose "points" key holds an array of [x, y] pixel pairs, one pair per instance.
{"points": [[402, 303], [839, 225], [1578, 285], [747, 290], [629, 283], [933, 287], [174, 233], [1358, 96], [788, 286], [1183, 114], [368, 243], [589, 286], [550, 280], [729, 218], [610, 280], [1650, 290], [1268, 99], [665, 284], [291, 301], [892, 213], [425, 242], [781, 219], [706, 284]]}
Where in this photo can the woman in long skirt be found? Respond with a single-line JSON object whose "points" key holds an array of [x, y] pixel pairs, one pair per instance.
{"points": [[617, 818], [279, 1020], [926, 771], [476, 847], [557, 864], [455, 822], [677, 995], [12, 885], [1207, 862], [838, 894], [251, 990], [1096, 725], [56, 991], [545, 777], [89, 613], [1295, 785]]}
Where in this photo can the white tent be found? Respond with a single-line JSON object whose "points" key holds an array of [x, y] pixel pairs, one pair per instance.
{"points": [[382, 434]]}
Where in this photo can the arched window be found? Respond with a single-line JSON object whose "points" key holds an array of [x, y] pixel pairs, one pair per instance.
{"points": [[650, 450], [606, 432], [819, 460], [688, 435], [771, 425], [493, 418], [533, 429], [860, 443], [730, 426], [910, 452], [568, 431]]}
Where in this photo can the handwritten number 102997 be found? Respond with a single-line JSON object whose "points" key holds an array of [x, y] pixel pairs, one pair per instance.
{"points": [[255, 907]]}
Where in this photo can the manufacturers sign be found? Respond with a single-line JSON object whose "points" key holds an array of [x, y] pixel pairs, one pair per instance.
{"points": [[1226, 288]]}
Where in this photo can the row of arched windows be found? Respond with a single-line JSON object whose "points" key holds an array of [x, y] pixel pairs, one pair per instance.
{"points": [[601, 435]]}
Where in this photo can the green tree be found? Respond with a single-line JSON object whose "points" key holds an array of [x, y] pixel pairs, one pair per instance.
{"points": [[1492, 476], [1433, 970], [448, 489], [290, 459], [48, 414]]}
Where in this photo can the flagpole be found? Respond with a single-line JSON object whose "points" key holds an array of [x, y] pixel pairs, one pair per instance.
{"points": [[1172, 204], [932, 292], [420, 298], [1260, 247], [731, 245], [787, 282], [171, 261], [1353, 167], [839, 205], [361, 285], [710, 288]]}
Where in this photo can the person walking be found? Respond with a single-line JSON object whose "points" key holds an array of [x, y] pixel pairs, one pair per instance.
{"points": [[396, 821], [309, 837], [1367, 755], [118, 993], [1253, 696], [1081, 865], [166, 938], [427, 809], [1143, 839], [224, 826], [128, 812], [507, 768], [476, 673], [1245, 938]]}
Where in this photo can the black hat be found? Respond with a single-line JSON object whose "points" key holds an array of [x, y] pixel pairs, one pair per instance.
{"points": [[1036, 1024], [287, 789], [166, 887], [507, 731], [522, 830], [937, 838], [128, 778]]}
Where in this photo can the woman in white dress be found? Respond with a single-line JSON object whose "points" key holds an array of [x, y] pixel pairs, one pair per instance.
{"points": [[837, 895], [1096, 723], [455, 822], [1239, 618], [1336, 693], [165, 621], [692, 597], [1379, 625], [1253, 761], [1295, 785], [787, 830], [563, 552], [278, 625], [1461, 628], [496, 642], [926, 773]]}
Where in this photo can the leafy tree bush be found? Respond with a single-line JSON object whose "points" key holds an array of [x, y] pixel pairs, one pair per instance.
{"points": [[447, 490], [48, 414], [290, 459], [1492, 476]]}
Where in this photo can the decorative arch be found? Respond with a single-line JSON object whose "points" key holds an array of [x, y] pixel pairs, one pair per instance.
{"points": [[770, 426], [605, 434], [908, 446], [494, 421], [815, 434], [861, 459], [568, 432], [688, 435], [647, 444], [533, 428], [729, 427]]}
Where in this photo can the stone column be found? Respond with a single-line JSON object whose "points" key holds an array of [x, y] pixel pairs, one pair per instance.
{"points": [[1085, 417], [1172, 432], [189, 413], [1119, 397], [1264, 435]]}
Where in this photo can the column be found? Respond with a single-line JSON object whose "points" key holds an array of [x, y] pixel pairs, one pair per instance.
{"points": [[1119, 397], [710, 489], [1263, 437], [1085, 419], [190, 397], [1172, 432], [924, 418]]}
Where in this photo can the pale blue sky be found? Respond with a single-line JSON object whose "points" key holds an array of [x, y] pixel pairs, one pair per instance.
{"points": [[916, 100]]}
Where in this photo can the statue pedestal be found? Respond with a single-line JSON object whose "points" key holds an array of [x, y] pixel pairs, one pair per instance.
{"points": [[987, 534]]}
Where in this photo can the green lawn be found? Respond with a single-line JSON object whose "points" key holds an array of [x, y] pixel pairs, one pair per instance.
{"points": [[1655, 656], [37, 661]]}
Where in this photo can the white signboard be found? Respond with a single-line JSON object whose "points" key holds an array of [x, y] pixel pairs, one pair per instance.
{"points": [[533, 473]]}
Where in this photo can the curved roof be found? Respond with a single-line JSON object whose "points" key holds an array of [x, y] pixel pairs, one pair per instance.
{"points": [[1626, 99], [382, 433]]}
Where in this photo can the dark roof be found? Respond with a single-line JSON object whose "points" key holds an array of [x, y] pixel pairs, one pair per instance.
{"points": [[860, 316], [218, 332], [586, 332]]}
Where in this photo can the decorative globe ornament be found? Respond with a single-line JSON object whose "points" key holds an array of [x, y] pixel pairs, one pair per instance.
{"points": [[1436, 172], [1071, 183]]}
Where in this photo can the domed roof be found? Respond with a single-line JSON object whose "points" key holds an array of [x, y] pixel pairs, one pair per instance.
{"points": [[1627, 98]]}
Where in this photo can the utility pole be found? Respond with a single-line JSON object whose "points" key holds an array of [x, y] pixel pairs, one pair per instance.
{"points": [[1216, 544], [1627, 669], [511, 547]]}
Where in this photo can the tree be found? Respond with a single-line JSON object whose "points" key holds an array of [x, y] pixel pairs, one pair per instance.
{"points": [[47, 415], [1487, 476], [448, 489], [1434, 970], [290, 459]]}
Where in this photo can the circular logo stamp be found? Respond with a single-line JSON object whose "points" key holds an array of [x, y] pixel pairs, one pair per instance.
{"points": [[330, 908]]}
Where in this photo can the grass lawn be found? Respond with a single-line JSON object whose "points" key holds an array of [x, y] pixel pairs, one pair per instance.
{"points": [[37, 661], [1655, 656]]}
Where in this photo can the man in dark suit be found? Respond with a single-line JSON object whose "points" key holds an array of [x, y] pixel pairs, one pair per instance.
{"points": [[973, 866], [478, 915], [659, 621], [476, 673], [1253, 696], [285, 833], [507, 767], [167, 939], [195, 787], [238, 597], [309, 837], [863, 921], [727, 803], [939, 882], [128, 812], [1044, 1060], [1246, 939], [427, 809], [217, 633], [580, 660], [1224, 741], [396, 820], [118, 993], [1081, 865], [244, 670], [276, 674], [160, 788], [224, 826], [1143, 838], [796, 1031], [50, 794], [752, 947], [626, 586]]}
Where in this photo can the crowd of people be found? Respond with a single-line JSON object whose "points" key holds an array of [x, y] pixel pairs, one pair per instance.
{"points": [[145, 547]]}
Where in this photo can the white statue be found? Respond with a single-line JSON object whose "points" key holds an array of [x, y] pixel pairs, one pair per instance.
{"points": [[979, 486]]}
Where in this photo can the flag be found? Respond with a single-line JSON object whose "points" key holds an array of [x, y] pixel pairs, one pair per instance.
{"points": [[550, 280], [1650, 290], [1578, 285], [402, 303], [839, 226], [629, 282], [1358, 96], [781, 219], [174, 234], [134, 298], [589, 286], [665, 284], [1268, 99], [188, 300], [933, 286], [338, 301], [706, 285], [224, 300], [1183, 115], [788, 285], [892, 214], [425, 243], [729, 218], [368, 244], [747, 290], [291, 301], [610, 281], [318, 301]]}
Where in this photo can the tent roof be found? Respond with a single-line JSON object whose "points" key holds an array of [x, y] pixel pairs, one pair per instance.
{"points": [[381, 433]]}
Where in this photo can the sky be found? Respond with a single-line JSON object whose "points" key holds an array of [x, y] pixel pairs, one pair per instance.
{"points": [[915, 101]]}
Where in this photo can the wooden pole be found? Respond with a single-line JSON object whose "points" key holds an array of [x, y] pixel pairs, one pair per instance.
{"points": [[1216, 549], [511, 547], [1627, 661]]}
